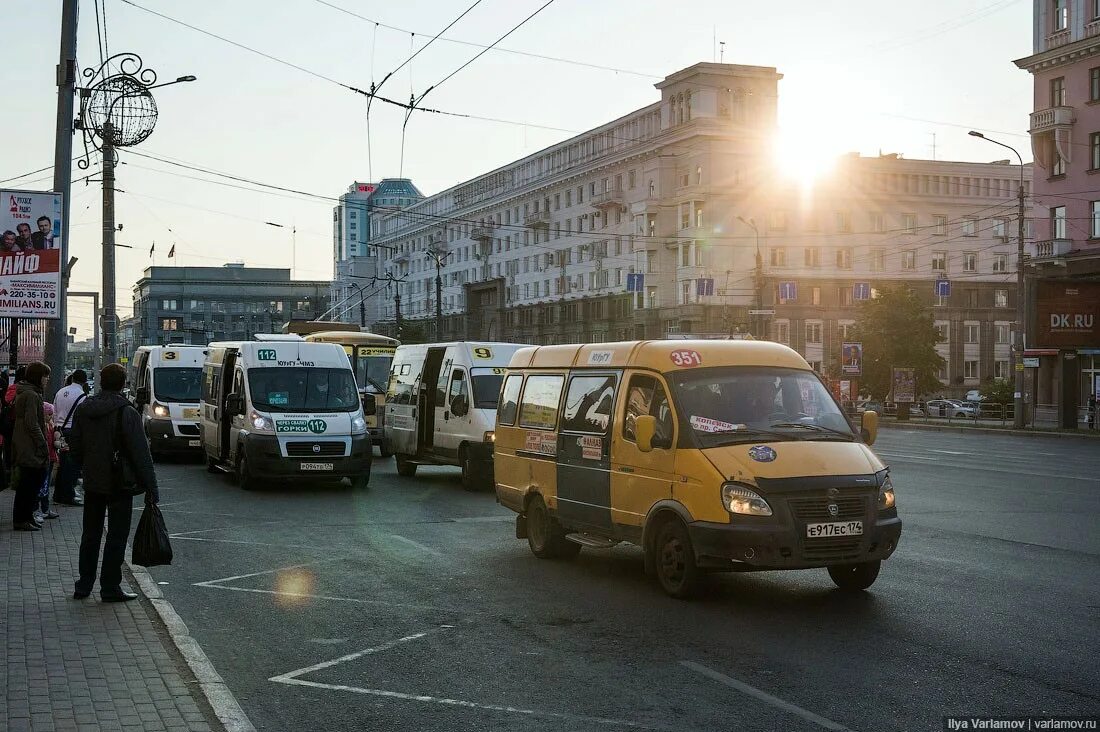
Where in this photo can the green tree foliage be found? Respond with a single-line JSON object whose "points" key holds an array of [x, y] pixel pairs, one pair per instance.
{"points": [[897, 330], [998, 391]]}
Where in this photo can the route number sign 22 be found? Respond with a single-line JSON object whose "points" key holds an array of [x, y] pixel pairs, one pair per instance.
{"points": [[686, 358]]}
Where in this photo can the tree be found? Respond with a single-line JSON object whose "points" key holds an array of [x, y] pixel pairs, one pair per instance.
{"points": [[897, 330], [998, 391]]}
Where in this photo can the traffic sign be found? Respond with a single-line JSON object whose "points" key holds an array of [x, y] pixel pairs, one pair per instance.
{"points": [[861, 291], [704, 286], [635, 282], [788, 290], [943, 288]]}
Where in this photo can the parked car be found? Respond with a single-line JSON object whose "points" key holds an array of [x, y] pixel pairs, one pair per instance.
{"points": [[951, 408]]}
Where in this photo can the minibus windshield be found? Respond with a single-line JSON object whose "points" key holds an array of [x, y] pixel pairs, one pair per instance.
{"points": [[372, 372], [729, 404], [487, 387], [177, 385], [303, 389]]}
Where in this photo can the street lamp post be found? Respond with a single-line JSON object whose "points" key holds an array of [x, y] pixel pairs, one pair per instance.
{"points": [[362, 304], [1018, 417], [758, 279]]}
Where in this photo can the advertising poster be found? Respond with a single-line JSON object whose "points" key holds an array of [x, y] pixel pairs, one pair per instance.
{"points": [[1068, 314], [851, 358], [905, 385], [30, 254]]}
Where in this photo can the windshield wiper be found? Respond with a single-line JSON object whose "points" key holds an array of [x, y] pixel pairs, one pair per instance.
{"points": [[381, 389], [753, 431], [816, 428]]}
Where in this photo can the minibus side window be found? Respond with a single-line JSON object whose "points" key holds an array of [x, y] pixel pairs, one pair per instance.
{"points": [[588, 404], [539, 407], [458, 397], [646, 396], [509, 396]]}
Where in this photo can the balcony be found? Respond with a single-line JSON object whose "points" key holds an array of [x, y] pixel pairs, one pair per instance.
{"points": [[608, 199], [483, 232], [537, 219], [1092, 28], [1059, 38], [1050, 119], [401, 258], [1049, 249]]}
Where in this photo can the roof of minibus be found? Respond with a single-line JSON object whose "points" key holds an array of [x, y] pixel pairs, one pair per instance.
{"points": [[660, 355], [324, 355]]}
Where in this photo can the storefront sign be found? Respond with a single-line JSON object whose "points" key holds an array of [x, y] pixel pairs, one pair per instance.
{"points": [[1067, 314]]}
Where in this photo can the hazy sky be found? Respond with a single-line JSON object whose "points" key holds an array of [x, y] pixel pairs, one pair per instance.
{"points": [[860, 75]]}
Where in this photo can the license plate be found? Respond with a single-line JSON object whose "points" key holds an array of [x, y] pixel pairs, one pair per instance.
{"points": [[190, 413], [316, 466], [835, 528], [193, 443]]}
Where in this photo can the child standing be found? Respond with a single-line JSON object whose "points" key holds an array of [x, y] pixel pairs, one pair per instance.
{"points": [[44, 511]]}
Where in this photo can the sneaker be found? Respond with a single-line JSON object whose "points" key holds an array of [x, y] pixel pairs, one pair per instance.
{"points": [[51, 515]]}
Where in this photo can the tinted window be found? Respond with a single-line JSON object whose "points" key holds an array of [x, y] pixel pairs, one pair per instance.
{"points": [[588, 404], [303, 389], [539, 408], [646, 396], [509, 396], [487, 386]]}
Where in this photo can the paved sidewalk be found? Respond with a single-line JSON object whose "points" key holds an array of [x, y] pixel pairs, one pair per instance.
{"points": [[82, 664]]}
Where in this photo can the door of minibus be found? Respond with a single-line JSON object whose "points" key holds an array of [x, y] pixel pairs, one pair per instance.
{"points": [[225, 419], [584, 450], [425, 413]]}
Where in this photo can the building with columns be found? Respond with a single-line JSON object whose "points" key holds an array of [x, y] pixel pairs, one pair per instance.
{"points": [[650, 226]]}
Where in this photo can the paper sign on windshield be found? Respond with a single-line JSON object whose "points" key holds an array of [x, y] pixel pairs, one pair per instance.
{"points": [[706, 424]]}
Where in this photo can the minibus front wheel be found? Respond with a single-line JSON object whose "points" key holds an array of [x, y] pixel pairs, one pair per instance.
{"points": [[545, 536], [855, 577], [674, 560]]}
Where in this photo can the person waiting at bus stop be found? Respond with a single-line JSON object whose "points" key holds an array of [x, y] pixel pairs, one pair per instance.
{"points": [[65, 403]]}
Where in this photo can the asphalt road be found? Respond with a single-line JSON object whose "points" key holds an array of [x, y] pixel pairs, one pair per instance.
{"points": [[411, 606]]}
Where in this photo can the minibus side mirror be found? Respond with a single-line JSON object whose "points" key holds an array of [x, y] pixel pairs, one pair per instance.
{"points": [[869, 429], [142, 396], [645, 427], [234, 404], [370, 407]]}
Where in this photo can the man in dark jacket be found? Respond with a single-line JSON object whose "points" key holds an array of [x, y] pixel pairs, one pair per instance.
{"points": [[105, 425]]}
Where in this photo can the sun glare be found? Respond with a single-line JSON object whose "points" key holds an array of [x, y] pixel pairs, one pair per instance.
{"points": [[804, 154]]}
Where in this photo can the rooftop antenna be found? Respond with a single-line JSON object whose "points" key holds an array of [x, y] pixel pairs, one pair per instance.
{"points": [[721, 52], [933, 145]]}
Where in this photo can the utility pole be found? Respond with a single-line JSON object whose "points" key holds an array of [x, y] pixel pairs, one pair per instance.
{"points": [[13, 346], [758, 281], [57, 341], [1019, 420], [438, 298], [110, 344], [397, 307]]}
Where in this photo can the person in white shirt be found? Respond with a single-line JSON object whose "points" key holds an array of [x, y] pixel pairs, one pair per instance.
{"points": [[65, 404]]}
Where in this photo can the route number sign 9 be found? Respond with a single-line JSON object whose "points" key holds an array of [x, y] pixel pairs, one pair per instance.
{"points": [[483, 353], [686, 358]]}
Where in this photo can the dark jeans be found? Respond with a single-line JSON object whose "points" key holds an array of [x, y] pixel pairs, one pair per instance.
{"points": [[118, 510], [65, 488], [26, 494]]}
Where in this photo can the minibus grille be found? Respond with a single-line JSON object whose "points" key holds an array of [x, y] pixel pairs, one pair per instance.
{"points": [[323, 449], [816, 509], [832, 548], [190, 430]]}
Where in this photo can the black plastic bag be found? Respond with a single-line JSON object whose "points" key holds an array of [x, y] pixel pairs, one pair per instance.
{"points": [[151, 545]]}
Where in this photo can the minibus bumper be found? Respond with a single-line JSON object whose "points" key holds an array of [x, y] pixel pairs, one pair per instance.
{"points": [[741, 547], [266, 462], [163, 438]]}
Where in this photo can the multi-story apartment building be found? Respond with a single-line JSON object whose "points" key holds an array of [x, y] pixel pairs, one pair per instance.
{"points": [[204, 304], [648, 227], [353, 258], [1064, 335]]}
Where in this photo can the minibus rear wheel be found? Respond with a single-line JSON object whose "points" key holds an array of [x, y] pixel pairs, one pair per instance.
{"points": [[545, 536], [855, 577], [674, 560]]}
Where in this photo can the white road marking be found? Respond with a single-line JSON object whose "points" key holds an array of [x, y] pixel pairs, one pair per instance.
{"points": [[178, 534], [765, 697], [417, 544], [950, 452], [292, 678], [241, 541], [223, 580], [983, 468], [486, 519], [331, 598]]}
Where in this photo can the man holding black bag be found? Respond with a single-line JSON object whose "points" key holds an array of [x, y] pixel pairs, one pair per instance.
{"points": [[108, 441]]}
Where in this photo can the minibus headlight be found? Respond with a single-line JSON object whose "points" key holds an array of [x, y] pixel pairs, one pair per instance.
{"points": [[160, 411], [358, 425], [886, 494], [744, 500], [261, 423], [490, 436]]}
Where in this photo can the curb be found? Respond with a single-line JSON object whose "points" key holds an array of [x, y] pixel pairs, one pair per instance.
{"points": [[984, 430], [214, 688]]}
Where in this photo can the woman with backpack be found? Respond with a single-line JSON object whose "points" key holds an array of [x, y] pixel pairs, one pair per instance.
{"points": [[30, 450]]}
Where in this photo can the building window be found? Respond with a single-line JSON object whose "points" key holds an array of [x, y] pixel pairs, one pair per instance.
{"points": [[1094, 228], [1058, 92], [1000, 262], [813, 332], [970, 226], [939, 261], [970, 369], [971, 331], [169, 324], [1059, 15], [1058, 222], [1000, 369], [699, 214], [971, 298], [813, 256], [1094, 78], [1094, 151], [909, 223], [939, 225], [1000, 298], [1000, 228], [878, 223], [1001, 333], [779, 256], [815, 295], [878, 260], [777, 221], [168, 305], [782, 331], [631, 180], [843, 221], [970, 262], [844, 295], [908, 260], [844, 258], [945, 332]]}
